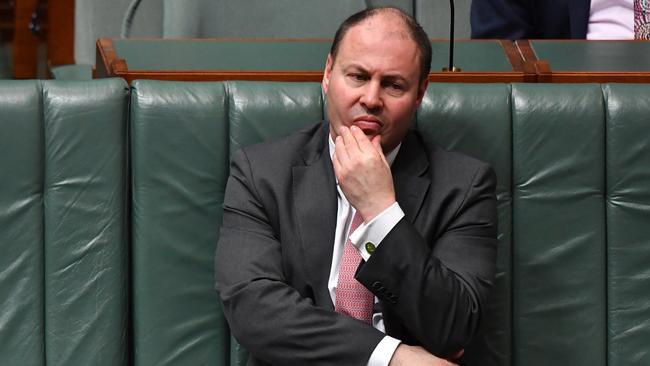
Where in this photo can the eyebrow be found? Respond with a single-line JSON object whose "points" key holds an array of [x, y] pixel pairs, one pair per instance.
{"points": [[389, 77], [355, 67]]}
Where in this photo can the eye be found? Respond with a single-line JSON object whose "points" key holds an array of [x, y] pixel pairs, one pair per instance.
{"points": [[393, 85], [358, 77], [396, 86]]}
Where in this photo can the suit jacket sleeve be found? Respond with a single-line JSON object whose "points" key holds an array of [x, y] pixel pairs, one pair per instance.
{"points": [[502, 19], [267, 316], [434, 293]]}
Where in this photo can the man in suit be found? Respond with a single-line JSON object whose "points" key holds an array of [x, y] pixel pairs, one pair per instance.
{"points": [[421, 221], [529, 19]]}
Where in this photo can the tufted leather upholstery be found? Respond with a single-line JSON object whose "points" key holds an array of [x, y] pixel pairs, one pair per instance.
{"points": [[573, 283], [63, 223]]}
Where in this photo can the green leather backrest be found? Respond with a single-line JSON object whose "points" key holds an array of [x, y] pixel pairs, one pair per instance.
{"points": [[627, 207], [179, 148], [22, 297], [63, 234], [580, 224], [559, 271], [265, 111]]}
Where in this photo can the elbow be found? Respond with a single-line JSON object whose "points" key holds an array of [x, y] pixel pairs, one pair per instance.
{"points": [[465, 312]]}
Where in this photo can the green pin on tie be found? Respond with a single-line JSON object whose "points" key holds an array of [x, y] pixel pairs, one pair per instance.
{"points": [[370, 247]]}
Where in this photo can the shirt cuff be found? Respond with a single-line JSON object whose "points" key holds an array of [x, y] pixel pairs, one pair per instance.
{"points": [[383, 352], [376, 230]]}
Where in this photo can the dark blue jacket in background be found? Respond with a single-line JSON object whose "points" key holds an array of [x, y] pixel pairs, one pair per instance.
{"points": [[529, 19]]}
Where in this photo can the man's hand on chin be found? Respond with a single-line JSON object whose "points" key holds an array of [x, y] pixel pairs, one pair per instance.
{"points": [[363, 173], [406, 355]]}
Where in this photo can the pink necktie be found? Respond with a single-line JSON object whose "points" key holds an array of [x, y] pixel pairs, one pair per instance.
{"points": [[641, 19], [352, 298]]}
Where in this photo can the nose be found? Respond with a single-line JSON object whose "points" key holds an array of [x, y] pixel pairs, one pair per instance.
{"points": [[371, 98]]}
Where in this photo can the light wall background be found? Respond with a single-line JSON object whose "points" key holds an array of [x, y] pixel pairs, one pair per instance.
{"points": [[245, 18]]}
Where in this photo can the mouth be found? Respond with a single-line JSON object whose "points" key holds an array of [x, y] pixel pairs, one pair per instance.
{"points": [[368, 124]]}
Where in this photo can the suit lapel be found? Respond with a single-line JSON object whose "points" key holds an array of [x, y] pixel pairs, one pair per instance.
{"points": [[315, 205], [411, 182]]}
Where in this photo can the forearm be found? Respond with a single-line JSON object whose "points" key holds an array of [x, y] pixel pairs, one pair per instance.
{"points": [[434, 290], [280, 327], [435, 305], [272, 319], [406, 355]]}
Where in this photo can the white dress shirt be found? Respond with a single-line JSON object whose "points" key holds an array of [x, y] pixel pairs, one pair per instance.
{"points": [[611, 19], [374, 231]]}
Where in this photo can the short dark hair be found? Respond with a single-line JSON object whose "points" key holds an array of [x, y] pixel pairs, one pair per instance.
{"points": [[414, 29]]}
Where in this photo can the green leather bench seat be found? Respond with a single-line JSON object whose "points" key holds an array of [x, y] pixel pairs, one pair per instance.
{"points": [[559, 276], [63, 223], [94, 271]]}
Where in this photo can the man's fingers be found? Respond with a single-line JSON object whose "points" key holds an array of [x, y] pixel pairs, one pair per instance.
{"points": [[350, 142], [363, 141], [338, 168], [340, 151], [339, 143]]}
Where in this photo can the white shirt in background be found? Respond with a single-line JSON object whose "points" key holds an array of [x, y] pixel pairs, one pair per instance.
{"points": [[611, 19]]}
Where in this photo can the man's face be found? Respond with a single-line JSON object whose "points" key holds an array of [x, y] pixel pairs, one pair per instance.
{"points": [[374, 81]]}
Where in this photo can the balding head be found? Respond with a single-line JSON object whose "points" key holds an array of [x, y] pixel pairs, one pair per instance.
{"points": [[402, 25]]}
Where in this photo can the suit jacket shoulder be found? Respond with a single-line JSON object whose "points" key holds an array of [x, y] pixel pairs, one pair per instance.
{"points": [[288, 149]]}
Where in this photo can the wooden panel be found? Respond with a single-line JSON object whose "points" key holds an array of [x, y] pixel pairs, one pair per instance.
{"points": [[60, 37], [25, 44]]}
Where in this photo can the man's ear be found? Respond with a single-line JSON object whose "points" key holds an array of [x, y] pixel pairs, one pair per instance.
{"points": [[422, 88], [327, 73]]}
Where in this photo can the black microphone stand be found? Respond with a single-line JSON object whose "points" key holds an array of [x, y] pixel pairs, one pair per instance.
{"points": [[128, 18], [451, 67]]}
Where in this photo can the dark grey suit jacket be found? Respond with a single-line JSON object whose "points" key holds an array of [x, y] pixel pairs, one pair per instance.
{"points": [[432, 273]]}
